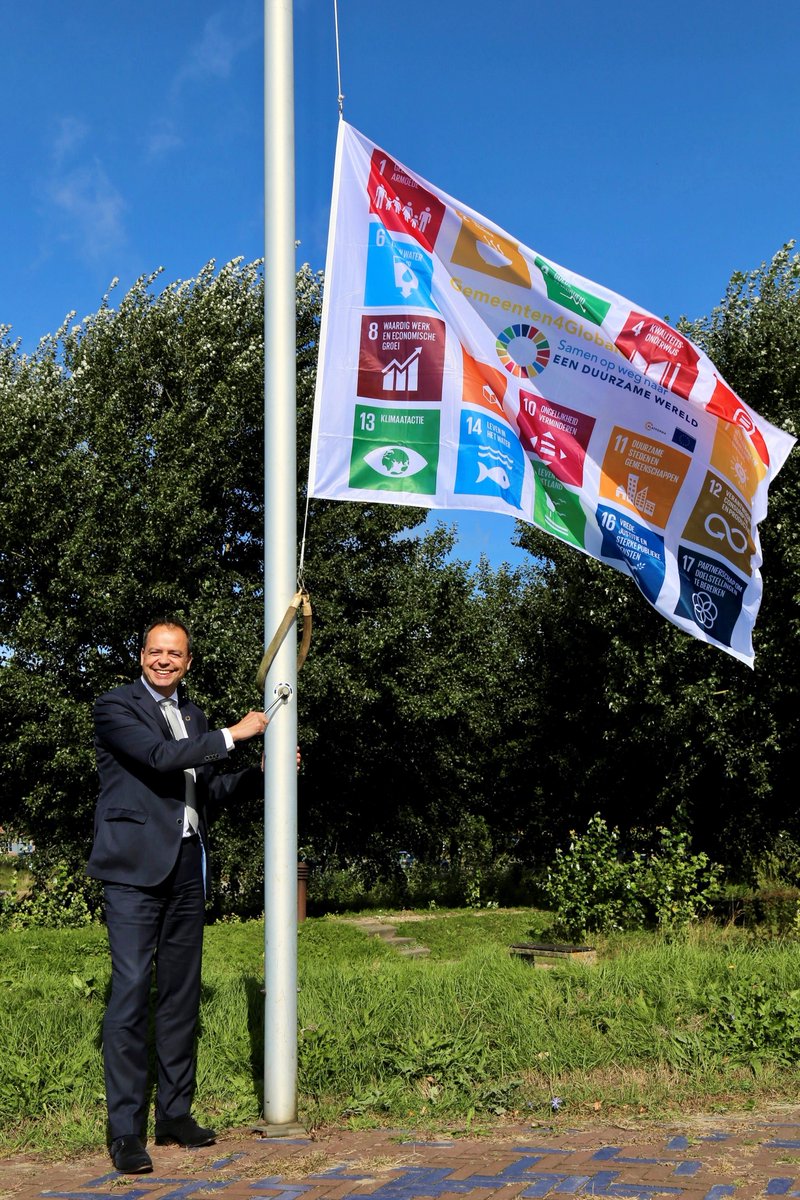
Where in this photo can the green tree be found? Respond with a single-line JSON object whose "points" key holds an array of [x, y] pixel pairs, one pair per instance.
{"points": [[133, 443], [752, 337], [643, 722], [436, 699]]}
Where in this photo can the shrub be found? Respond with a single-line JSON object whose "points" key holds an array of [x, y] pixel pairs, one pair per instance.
{"points": [[595, 888], [678, 886], [336, 886], [58, 900], [776, 864], [777, 908]]}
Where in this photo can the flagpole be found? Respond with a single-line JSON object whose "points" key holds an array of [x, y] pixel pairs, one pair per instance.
{"points": [[280, 576]]}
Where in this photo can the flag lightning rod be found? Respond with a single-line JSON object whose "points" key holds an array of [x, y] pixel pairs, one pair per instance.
{"points": [[280, 576]]}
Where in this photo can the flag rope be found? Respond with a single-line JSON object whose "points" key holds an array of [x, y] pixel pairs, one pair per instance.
{"points": [[340, 97], [301, 583], [301, 588]]}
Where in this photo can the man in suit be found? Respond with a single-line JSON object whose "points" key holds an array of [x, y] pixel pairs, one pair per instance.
{"points": [[158, 764]]}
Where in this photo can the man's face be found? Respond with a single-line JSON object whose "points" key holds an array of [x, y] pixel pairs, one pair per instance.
{"points": [[165, 658]]}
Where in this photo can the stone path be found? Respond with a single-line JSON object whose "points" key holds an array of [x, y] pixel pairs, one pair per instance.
{"points": [[386, 931], [700, 1159]]}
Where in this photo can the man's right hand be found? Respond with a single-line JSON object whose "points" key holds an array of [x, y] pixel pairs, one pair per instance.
{"points": [[253, 725]]}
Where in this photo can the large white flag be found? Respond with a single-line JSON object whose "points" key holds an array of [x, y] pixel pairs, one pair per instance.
{"points": [[460, 369]]}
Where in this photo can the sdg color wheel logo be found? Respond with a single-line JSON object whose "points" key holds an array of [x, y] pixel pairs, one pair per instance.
{"points": [[523, 350]]}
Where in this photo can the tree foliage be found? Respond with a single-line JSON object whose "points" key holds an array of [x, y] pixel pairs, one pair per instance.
{"points": [[135, 487], [653, 726], [439, 702], [133, 444]]}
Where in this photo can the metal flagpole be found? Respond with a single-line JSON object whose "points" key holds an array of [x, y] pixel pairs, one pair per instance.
{"points": [[280, 575]]}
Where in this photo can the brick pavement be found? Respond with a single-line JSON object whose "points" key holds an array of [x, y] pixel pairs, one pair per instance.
{"points": [[698, 1159]]}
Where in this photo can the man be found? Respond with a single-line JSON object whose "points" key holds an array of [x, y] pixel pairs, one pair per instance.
{"points": [[158, 765]]}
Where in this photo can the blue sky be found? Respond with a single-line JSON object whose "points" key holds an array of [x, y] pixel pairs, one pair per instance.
{"points": [[652, 148]]}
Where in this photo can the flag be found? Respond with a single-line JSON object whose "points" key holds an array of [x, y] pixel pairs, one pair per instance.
{"points": [[460, 369]]}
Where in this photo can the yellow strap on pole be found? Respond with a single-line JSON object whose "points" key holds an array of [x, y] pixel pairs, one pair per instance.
{"points": [[290, 617]]}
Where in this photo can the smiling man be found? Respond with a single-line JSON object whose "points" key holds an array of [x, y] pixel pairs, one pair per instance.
{"points": [[158, 764]]}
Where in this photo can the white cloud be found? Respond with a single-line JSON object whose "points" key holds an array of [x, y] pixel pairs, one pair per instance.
{"points": [[209, 60], [71, 132], [82, 204], [162, 139], [92, 208], [225, 35]]}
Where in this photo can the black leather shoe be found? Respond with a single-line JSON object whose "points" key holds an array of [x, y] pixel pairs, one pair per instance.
{"points": [[183, 1130], [129, 1155]]}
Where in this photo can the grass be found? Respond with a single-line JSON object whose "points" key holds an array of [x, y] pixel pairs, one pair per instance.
{"points": [[455, 1042], [450, 935]]}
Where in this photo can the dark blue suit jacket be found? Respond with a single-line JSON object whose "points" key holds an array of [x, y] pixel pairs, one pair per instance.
{"points": [[138, 822]]}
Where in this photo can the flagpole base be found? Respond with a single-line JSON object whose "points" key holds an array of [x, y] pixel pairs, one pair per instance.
{"points": [[288, 1129]]}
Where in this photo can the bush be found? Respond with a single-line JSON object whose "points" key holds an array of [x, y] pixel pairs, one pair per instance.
{"points": [[774, 909], [595, 888], [775, 865], [336, 887], [57, 900], [777, 908]]}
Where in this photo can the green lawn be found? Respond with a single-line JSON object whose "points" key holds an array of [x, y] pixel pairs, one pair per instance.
{"points": [[456, 1041]]}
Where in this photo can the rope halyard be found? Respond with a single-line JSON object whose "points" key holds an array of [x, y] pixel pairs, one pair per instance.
{"points": [[340, 97], [301, 599]]}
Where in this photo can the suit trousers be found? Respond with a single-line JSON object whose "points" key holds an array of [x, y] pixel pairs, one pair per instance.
{"points": [[165, 924]]}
